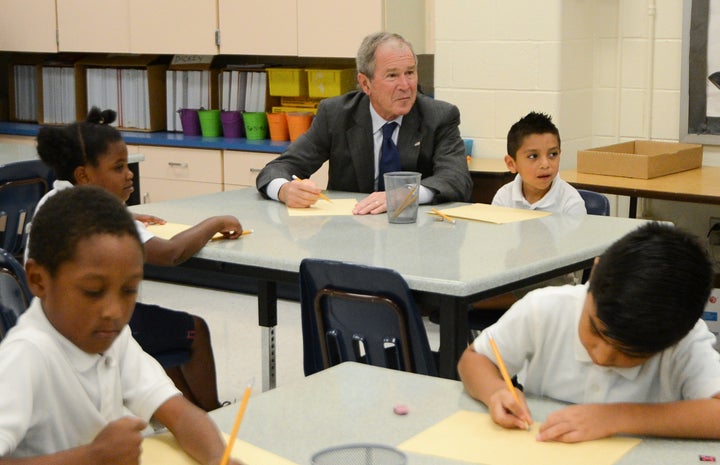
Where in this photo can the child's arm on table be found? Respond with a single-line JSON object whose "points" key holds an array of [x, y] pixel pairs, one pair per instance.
{"points": [[696, 419], [483, 381], [187, 243], [118, 443], [148, 219], [194, 430]]}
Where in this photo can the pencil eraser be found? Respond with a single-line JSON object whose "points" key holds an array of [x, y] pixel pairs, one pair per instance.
{"points": [[401, 409], [707, 458]]}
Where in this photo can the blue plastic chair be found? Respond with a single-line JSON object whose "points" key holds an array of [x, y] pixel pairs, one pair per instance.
{"points": [[360, 313], [22, 185], [15, 294], [595, 202]]}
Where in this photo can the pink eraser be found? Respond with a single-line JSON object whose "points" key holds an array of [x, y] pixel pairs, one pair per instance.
{"points": [[401, 409]]}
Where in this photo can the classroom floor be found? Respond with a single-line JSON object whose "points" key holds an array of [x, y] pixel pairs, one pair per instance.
{"points": [[236, 336]]}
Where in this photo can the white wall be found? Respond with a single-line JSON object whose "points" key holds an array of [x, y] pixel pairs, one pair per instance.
{"points": [[606, 70]]}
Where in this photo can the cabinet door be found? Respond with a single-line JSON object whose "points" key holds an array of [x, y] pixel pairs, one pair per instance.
{"points": [[335, 28], [28, 26], [173, 26], [258, 27], [159, 190], [93, 26], [242, 168]]}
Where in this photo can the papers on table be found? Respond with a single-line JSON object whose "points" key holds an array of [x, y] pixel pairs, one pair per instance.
{"points": [[168, 230], [474, 437], [163, 449], [324, 208], [492, 213]]}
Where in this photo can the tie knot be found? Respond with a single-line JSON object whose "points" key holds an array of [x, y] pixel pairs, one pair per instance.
{"points": [[388, 129]]}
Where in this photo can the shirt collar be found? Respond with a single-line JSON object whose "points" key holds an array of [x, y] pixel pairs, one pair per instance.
{"points": [[378, 122]]}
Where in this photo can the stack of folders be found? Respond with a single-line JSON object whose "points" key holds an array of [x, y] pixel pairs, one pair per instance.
{"points": [[58, 84], [26, 96], [124, 90], [186, 89], [243, 90]]}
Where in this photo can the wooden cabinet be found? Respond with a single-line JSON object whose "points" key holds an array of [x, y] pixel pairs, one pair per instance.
{"points": [[315, 28], [17, 148], [170, 173], [28, 26], [258, 27], [137, 26], [241, 169], [335, 28]]}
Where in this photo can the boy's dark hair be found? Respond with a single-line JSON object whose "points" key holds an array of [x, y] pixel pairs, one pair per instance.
{"points": [[651, 287], [72, 215], [78, 144], [532, 123]]}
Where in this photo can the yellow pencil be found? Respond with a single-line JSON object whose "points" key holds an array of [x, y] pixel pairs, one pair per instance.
{"points": [[443, 215], [244, 233], [504, 373], [236, 426], [322, 196]]}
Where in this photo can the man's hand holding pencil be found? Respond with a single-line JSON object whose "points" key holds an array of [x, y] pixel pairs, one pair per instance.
{"points": [[300, 193]]}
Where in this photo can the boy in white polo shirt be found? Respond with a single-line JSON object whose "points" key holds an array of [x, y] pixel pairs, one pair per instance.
{"points": [[630, 347], [533, 147], [76, 387]]}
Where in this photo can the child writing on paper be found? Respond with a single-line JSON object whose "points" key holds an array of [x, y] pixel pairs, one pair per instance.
{"points": [[76, 387], [93, 153], [533, 145], [629, 347]]}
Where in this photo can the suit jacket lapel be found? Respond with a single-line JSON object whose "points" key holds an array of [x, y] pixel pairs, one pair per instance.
{"points": [[361, 147], [409, 139]]}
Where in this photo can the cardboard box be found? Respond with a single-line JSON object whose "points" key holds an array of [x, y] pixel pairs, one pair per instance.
{"points": [[711, 315], [640, 159]]}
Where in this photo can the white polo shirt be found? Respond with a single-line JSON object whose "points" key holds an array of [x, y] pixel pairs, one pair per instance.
{"points": [[538, 340], [561, 198], [56, 397]]}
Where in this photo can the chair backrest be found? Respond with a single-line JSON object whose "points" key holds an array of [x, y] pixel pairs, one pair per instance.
{"points": [[360, 313], [15, 294], [22, 185], [595, 202]]}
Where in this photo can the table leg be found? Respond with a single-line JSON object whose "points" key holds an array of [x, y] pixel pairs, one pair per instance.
{"points": [[632, 210], [453, 334], [267, 319]]}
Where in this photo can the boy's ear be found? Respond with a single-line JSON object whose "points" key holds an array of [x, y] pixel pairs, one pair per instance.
{"points": [[37, 277], [81, 175], [510, 163]]}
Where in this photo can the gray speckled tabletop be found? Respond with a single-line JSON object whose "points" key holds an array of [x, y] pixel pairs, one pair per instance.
{"points": [[353, 403]]}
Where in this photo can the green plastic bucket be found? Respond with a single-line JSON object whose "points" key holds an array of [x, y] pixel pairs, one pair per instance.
{"points": [[210, 123], [256, 125]]}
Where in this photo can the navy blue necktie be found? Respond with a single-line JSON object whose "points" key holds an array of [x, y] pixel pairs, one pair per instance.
{"points": [[389, 154]]}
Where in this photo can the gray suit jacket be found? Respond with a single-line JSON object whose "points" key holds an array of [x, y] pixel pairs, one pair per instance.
{"points": [[429, 142]]}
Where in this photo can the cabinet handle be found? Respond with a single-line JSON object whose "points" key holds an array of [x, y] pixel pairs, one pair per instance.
{"points": [[176, 164], [255, 170]]}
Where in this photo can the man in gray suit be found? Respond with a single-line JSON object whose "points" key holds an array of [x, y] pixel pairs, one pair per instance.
{"points": [[347, 131]]}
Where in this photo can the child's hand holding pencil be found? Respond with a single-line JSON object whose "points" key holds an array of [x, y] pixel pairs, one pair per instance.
{"points": [[513, 413]]}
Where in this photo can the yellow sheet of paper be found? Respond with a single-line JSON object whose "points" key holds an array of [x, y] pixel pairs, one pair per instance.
{"points": [[474, 437], [492, 213], [168, 230], [325, 208], [163, 449]]}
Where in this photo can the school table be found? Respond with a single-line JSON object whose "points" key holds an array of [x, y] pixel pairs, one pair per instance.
{"points": [[448, 265], [353, 403], [700, 185]]}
